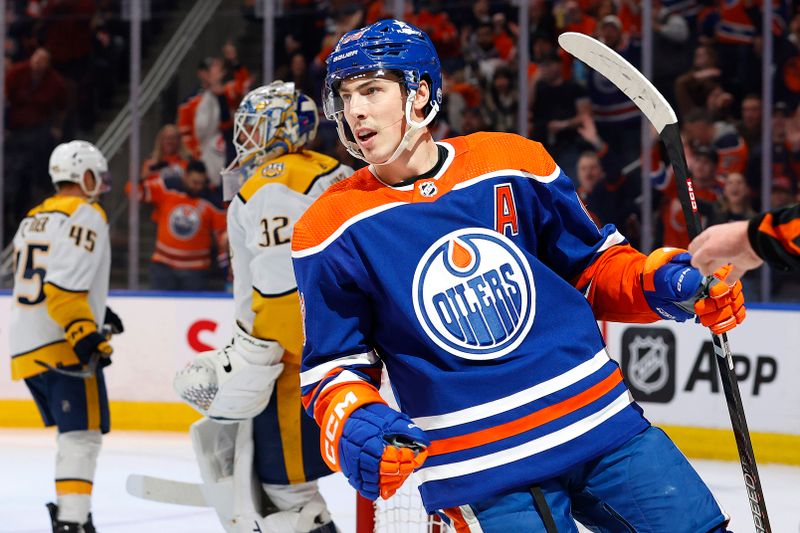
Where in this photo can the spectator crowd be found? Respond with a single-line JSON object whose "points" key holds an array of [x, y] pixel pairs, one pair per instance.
{"points": [[707, 62]]}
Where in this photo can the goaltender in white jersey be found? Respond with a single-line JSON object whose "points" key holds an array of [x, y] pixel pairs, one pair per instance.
{"points": [[254, 382], [63, 257]]}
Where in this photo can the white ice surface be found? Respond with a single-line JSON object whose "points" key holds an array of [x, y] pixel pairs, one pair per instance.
{"points": [[26, 484]]}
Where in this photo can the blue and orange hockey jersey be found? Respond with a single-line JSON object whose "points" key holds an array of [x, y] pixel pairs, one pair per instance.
{"points": [[478, 289]]}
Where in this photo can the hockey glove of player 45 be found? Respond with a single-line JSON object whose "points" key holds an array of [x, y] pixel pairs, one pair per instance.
{"points": [[113, 321], [373, 445], [674, 290], [93, 343]]}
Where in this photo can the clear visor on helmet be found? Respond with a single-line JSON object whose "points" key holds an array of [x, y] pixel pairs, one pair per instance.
{"points": [[359, 91]]}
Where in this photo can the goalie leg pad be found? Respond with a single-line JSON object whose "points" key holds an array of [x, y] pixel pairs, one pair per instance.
{"points": [[233, 383], [302, 509], [224, 454]]}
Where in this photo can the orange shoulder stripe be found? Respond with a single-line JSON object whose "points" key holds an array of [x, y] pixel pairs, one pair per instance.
{"points": [[341, 203], [494, 151], [356, 197]]}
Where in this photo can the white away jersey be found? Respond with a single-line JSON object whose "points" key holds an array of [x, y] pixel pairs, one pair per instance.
{"points": [[62, 242], [261, 219]]}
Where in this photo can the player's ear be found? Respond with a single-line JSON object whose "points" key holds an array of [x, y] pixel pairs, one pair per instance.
{"points": [[422, 98]]}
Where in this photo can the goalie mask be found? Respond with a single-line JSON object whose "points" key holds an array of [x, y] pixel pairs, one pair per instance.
{"points": [[272, 120], [388, 46], [70, 161]]}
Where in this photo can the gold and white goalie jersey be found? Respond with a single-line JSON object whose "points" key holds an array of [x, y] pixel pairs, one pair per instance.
{"points": [[62, 264], [261, 219]]}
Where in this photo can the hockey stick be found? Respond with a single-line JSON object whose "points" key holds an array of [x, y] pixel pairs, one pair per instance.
{"points": [[89, 369], [165, 490], [660, 114]]}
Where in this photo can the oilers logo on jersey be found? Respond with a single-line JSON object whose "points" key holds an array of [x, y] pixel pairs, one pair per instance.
{"points": [[184, 221], [474, 294]]}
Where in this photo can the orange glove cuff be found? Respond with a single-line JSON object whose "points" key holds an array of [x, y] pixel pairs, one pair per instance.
{"points": [[349, 397], [654, 261]]}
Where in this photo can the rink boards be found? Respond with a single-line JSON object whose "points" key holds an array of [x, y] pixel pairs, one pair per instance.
{"points": [[668, 367]]}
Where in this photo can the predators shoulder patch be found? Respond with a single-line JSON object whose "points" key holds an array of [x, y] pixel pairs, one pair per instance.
{"points": [[272, 170]]}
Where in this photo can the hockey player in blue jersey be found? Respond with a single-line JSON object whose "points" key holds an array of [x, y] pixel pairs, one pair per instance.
{"points": [[470, 270]]}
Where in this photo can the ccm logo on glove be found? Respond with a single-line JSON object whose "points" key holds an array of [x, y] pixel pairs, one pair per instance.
{"points": [[344, 399], [332, 426]]}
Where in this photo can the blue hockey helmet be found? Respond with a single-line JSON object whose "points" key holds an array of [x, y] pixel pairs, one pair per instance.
{"points": [[387, 45]]}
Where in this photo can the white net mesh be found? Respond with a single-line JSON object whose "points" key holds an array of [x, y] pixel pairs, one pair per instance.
{"points": [[404, 513]]}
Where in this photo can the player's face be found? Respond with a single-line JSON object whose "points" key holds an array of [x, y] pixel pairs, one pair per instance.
{"points": [[735, 187], [170, 141], [250, 137], [195, 182], [373, 108]]}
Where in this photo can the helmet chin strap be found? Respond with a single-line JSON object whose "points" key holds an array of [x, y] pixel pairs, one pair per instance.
{"points": [[412, 126]]}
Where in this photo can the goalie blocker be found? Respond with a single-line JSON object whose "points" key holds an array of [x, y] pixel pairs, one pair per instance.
{"points": [[233, 383]]}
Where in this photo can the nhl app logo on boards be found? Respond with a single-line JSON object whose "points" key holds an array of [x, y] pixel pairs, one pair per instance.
{"points": [[474, 294], [648, 363]]}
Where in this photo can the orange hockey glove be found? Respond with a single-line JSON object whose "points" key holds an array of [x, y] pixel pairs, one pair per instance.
{"points": [[397, 463], [723, 309]]}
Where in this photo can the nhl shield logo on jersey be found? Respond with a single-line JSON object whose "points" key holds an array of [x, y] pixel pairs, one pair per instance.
{"points": [[428, 189], [474, 294], [184, 221]]}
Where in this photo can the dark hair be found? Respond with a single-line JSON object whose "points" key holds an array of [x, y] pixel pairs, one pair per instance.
{"points": [[195, 165], [550, 57], [699, 115], [707, 152], [206, 63]]}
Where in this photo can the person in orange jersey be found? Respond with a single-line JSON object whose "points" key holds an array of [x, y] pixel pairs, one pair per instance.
{"points": [[188, 227], [169, 158]]}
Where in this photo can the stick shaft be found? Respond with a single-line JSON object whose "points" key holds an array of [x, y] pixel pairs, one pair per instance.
{"points": [[670, 135]]}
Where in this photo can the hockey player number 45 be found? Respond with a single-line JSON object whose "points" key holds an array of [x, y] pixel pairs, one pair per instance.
{"points": [[29, 271]]}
